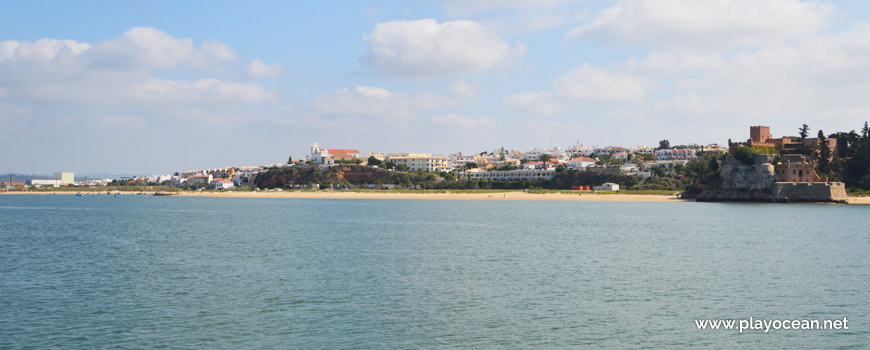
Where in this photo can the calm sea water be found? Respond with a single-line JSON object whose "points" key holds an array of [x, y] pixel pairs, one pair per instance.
{"points": [[163, 272]]}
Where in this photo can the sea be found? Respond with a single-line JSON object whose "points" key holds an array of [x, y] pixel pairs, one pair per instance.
{"points": [[144, 272]]}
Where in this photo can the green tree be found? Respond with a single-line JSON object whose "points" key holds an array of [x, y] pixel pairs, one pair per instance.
{"points": [[745, 154], [659, 172], [804, 132], [664, 144], [470, 165], [544, 157], [374, 161], [290, 160], [824, 155], [713, 164], [402, 167]]}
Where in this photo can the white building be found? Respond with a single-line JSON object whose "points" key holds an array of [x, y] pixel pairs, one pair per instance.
{"points": [[222, 184], [675, 154], [420, 161], [460, 160], [510, 175], [620, 155], [60, 179], [667, 165], [580, 163], [319, 155], [607, 186]]}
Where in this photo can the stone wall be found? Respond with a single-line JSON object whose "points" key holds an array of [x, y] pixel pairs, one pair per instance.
{"points": [[809, 192]]}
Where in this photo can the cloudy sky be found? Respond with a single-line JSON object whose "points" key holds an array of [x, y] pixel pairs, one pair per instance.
{"points": [[156, 87]]}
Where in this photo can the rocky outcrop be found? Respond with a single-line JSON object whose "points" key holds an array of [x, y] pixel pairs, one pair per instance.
{"points": [[757, 183], [737, 176]]}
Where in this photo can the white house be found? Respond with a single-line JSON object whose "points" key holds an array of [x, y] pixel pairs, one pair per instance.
{"points": [[580, 163], [675, 154], [607, 186], [223, 184]]}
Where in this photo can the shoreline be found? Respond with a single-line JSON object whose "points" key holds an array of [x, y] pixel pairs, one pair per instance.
{"points": [[495, 195]]}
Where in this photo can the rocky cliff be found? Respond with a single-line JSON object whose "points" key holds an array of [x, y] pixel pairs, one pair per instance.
{"points": [[739, 182]]}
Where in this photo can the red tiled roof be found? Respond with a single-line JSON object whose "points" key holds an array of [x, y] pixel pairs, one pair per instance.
{"points": [[583, 159], [7, 183], [336, 152]]}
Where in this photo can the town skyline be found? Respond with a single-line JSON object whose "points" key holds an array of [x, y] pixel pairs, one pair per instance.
{"points": [[117, 88]]}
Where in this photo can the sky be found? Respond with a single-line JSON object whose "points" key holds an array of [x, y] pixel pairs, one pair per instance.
{"points": [[161, 86]]}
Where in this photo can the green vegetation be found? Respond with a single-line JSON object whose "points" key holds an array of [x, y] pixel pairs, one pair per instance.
{"points": [[852, 163], [745, 154], [664, 144], [804, 132], [823, 167], [336, 175]]}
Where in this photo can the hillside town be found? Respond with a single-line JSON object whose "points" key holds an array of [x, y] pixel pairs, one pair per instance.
{"points": [[791, 159], [496, 165]]}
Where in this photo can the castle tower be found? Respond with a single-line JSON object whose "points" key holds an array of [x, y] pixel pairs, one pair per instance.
{"points": [[759, 134]]}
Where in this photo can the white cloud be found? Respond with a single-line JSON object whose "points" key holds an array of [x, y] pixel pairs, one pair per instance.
{"points": [[369, 101], [200, 91], [258, 69], [691, 24], [119, 74], [592, 83], [467, 7], [525, 22], [151, 47], [458, 121], [538, 103], [662, 63], [42, 50], [691, 104], [426, 48], [464, 89], [120, 122]]}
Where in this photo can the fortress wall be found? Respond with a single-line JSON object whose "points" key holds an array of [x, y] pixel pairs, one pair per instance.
{"points": [[807, 192]]}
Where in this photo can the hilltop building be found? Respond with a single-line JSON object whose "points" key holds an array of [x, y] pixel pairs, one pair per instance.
{"points": [[330, 155], [762, 140], [420, 161]]}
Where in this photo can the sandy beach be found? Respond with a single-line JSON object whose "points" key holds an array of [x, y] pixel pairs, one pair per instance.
{"points": [[511, 195], [508, 195]]}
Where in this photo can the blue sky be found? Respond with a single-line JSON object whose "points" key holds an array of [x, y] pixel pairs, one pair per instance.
{"points": [[156, 87]]}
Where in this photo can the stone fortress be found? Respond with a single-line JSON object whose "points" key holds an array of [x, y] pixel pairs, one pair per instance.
{"points": [[790, 179]]}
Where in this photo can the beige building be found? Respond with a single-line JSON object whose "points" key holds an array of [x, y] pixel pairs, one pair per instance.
{"points": [[60, 179], [419, 161]]}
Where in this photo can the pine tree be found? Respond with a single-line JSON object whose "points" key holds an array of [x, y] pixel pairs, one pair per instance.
{"points": [[804, 131], [824, 155]]}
